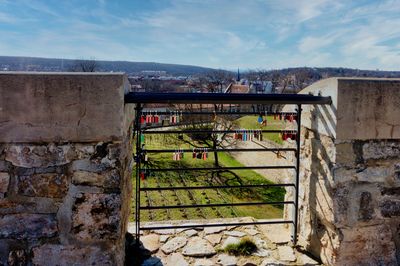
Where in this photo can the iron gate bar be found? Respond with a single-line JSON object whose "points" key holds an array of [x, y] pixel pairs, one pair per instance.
{"points": [[199, 131], [137, 187], [216, 224], [213, 113], [297, 180], [216, 205], [221, 150], [225, 98], [221, 168], [216, 187]]}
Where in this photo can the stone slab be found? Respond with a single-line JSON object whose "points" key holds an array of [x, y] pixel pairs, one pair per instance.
{"points": [[214, 229], [226, 260], [286, 253], [28, 226], [52, 185], [198, 247], [277, 233], [174, 244], [96, 216], [230, 240], [151, 242], [214, 239], [362, 108], [76, 107], [176, 259], [70, 255], [203, 262], [4, 182], [234, 233]]}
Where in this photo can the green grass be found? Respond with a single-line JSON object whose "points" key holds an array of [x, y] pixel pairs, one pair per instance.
{"points": [[250, 122], [245, 247], [202, 178]]}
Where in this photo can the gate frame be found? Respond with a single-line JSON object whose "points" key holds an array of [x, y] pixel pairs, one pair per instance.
{"points": [[139, 99]]}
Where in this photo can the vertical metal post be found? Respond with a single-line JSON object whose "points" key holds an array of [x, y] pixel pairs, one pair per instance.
{"points": [[296, 196], [138, 161]]}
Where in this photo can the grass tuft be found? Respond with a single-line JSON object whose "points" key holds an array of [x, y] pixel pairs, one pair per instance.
{"points": [[245, 247]]}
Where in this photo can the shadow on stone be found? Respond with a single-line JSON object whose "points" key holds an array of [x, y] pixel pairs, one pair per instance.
{"points": [[137, 254]]}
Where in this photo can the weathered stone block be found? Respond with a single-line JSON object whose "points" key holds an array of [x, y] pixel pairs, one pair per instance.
{"points": [[12, 252], [84, 150], [36, 205], [397, 171], [369, 245], [28, 226], [17, 257], [345, 154], [70, 255], [50, 185], [63, 107], [381, 149], [373, 174], [109, 179], [341, 204], [391, 191], [90, 166], [4, 182], [39, 156], [366, 210], [4, 166], [96, 216], [390, 207]]}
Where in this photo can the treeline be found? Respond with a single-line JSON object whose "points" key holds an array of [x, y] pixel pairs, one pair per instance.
{"points": [[295, 79]]}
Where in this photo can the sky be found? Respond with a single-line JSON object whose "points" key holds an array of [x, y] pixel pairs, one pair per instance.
{"points": [[250, 34]]}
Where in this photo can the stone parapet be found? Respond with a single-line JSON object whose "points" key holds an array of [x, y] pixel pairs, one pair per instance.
{"points": [[65, 179], [62, 107], [350, 173]]}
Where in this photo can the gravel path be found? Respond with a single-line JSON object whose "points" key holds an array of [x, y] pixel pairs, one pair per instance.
{"points": [[264, 158]]}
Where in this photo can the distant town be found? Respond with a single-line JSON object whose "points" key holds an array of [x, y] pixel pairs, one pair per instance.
{"points": [[159, 77]]}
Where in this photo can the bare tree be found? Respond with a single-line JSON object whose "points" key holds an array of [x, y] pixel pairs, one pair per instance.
{"points": [[216, 79], [205, 122], [85, 65]]}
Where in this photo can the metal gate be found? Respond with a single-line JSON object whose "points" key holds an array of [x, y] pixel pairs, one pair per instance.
{"points": [[222, 106]]}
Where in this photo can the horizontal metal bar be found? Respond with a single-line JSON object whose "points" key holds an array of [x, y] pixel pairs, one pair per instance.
{"points": [[221, 168], [222, 150], [150, 112], [214, 205], [214, 225], [216, 187], [199, 131], [225, 98]]}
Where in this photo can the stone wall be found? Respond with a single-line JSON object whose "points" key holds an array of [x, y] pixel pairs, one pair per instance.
{"points": [[350, 173], [65, 157]]}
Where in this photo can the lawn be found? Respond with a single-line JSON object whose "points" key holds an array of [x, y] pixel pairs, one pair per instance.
{"points": [[250, 122], [202, 178]]}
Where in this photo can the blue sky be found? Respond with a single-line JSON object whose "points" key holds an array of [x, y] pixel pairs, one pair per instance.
{"points": [[216, 33]]}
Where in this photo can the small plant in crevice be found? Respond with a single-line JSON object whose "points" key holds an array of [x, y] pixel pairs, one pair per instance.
{"points": [[245, 247]]}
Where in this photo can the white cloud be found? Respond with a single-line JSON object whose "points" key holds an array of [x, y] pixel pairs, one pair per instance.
{"points": [[224, 33], [309, 43]]}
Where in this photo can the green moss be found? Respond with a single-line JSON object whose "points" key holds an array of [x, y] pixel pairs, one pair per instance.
{"points": [[245, 247]]}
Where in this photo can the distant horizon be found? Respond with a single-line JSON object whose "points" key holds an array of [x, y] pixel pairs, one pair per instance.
{"points": [[224, 34], [168, 63]]}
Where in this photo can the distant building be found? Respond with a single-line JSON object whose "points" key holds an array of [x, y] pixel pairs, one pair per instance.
{"points": [[261, 87], [153, 73], [237, 88]]}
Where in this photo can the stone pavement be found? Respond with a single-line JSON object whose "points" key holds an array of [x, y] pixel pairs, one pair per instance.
{"points": [[200, 246]]}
